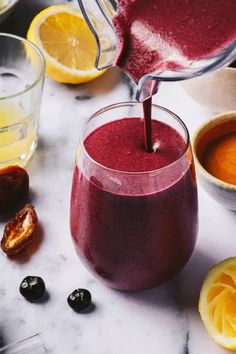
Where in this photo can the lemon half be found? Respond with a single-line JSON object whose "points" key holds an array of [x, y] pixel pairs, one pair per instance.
{"points": [[67, 43], [217, 303]]}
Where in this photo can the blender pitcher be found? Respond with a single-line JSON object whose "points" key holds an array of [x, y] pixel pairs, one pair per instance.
{"points": [[98, 15]]}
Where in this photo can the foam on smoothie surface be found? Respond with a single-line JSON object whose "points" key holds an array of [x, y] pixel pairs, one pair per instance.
{"points": [[120, 145]]}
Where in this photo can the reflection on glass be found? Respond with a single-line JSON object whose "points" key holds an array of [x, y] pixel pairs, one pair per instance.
{"points": [[31, 345]]}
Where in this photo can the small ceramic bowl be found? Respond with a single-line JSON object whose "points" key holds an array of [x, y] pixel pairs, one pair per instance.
{"points": [[222, 192], [215, 91], [5, 11]]}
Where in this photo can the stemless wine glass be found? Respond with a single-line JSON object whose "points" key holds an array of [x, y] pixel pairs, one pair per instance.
{"points": [[134, 230], [22, 69]]}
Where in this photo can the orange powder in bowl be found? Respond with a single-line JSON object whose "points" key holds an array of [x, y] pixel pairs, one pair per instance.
{"points": [[220, 157]]}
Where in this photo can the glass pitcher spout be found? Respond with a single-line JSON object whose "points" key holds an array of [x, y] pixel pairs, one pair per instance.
{"points": [[148, 84], [98, 15]]}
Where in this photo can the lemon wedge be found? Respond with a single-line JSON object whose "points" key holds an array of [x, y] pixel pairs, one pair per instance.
{"points": [[67, 43], [217, 303]]}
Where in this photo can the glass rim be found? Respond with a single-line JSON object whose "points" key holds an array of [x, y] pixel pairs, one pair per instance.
{"points": [[133, 103], [41, 73], [8, 7], [35, 339]]}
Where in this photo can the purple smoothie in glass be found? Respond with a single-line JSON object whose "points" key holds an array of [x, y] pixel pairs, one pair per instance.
{"points": [[134, 213]]}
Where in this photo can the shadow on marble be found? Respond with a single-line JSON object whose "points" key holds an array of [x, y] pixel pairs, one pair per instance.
{"points": [[43, 300], [183, 290], [102, 85], [90, 309], [2, 340], [37, 161], [164, 296], [6, 217], [191, 278], [27, 253]]}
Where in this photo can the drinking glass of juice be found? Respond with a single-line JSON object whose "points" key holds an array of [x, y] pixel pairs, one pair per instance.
{"points": [[134, 214], [22, 70]]}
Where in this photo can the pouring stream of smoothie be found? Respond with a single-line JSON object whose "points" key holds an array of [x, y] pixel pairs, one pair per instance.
{"points": [[134, 212], [155, 35]]}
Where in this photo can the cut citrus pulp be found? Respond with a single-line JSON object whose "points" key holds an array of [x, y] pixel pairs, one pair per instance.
{"points": [[67, 43], [217, 303]]}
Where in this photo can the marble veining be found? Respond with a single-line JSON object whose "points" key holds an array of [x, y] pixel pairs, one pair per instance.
{"points": [[186, 347], [83, 97], [163, 320]]}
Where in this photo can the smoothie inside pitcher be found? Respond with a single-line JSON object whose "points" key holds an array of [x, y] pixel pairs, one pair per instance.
{"points": [[155, 35]]}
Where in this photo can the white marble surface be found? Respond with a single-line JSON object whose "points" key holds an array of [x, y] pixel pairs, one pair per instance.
{"points": [[163, 320]]}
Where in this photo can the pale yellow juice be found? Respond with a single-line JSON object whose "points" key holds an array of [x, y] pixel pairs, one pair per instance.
{"points": [[18, 135]]}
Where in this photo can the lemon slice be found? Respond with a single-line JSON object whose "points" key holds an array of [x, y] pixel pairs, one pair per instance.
{"points": [[217, 303], [67, 43]]}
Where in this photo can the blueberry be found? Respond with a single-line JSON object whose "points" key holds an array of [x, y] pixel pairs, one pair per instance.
{"points": [[79, 300], [32, 288]]}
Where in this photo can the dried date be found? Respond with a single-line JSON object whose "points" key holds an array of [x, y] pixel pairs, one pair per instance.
{"points": [[14, 188], [20, 230]]}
